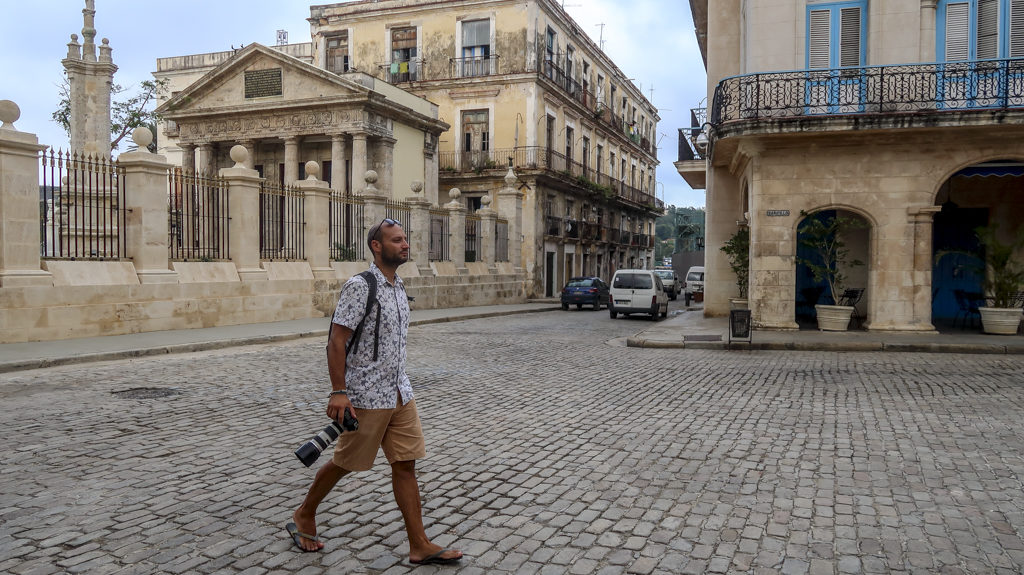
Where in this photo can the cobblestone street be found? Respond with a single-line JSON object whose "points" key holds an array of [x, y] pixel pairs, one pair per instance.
{"points": [[552, 448]]}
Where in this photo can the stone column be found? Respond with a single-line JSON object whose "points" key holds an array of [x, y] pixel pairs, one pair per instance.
{"points": [[188, 158], [291, 160], [384, 159], [922, 220], [317, 206], [419, 242], [205, 165], [339, 177], [374, 206], [457, 230], [359, 161], [146, 203], [90, 81], [19, 204], [250, 149], [510, 207], [430, 168], [928, 15], [244, 210], [488, 219]]}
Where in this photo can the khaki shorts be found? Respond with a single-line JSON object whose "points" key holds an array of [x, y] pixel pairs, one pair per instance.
{"points": [[396, 430]]}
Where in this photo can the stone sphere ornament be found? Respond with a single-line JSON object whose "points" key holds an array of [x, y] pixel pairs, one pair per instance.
{"points": [[370, 177], [312, 170], [9, 114], [416, 186], [454, 193], [485, 201], [239, 155], [142, 138]]}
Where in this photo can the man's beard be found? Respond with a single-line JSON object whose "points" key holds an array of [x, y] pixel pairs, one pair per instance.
{"points": [[394, 258]]}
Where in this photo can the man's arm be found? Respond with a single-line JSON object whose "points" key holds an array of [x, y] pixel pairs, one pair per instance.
{"points": [[337, 403]]}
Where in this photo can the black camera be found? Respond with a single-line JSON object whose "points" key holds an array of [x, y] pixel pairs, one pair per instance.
{"points": [[308, 452]]}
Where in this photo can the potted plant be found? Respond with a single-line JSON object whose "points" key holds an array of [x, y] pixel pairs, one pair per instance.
{"points": [[737, 249], [824, 236], [1000, 264]]}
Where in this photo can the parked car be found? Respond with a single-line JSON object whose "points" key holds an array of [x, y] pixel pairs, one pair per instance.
{"points": [[672, 284], [694, 284], [584, 291], [637, 291]]}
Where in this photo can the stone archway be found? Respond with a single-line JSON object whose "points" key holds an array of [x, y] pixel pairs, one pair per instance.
{"points": [[809, 291], [983, 193]]}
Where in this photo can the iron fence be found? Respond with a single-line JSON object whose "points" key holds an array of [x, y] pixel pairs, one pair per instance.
{"points": [[553, 226], [399, 212], [439, 240], [948, 86], [198, 222], [473, 66], [282, 223], [501, 240], [83, 207], [346, 232], [401, 71], [473, 236]]}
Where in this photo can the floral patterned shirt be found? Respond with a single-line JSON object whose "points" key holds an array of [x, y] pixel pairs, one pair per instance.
{"points": [[376, 384]]}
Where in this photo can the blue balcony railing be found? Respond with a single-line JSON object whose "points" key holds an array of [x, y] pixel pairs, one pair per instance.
{"points": [[956, 86]]}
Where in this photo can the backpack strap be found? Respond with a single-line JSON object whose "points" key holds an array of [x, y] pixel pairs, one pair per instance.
{"points": [[371, 299]]}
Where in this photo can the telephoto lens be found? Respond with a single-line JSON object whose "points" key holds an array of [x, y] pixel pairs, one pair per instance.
{"points": [[309, 452]]}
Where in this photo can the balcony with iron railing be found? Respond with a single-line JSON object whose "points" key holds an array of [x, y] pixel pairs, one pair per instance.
{"points": [[869, 97], [529, 158]]}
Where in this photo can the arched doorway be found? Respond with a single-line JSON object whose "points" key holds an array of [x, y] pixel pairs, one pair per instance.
{"points": [[982, 194], [853, 253]]}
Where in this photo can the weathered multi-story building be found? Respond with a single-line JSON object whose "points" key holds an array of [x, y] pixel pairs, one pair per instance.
{"points": [[906, 115], [519, 82]]}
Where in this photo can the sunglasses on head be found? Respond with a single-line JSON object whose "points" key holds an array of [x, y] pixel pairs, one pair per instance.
{"points": [[387, 221]]}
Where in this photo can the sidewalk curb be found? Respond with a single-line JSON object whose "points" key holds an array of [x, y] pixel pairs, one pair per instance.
{"points": [[40, 363], [868, 346]]}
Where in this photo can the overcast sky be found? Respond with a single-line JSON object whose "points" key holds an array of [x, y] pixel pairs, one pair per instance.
{"points": [[651, 41]]}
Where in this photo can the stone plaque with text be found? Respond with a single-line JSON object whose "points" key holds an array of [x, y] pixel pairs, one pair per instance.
{"points": [[263, 83]]}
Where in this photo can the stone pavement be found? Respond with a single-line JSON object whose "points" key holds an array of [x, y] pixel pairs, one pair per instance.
{"points": [[684, 328], [553, 448]]}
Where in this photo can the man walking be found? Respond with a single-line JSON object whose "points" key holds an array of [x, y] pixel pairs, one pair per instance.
{"points": [[371, 383]]}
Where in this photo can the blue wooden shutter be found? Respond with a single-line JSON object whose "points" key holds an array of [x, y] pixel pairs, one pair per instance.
{"points": [[958, 32], [849, 37], [820, 36], [1017, 29]]}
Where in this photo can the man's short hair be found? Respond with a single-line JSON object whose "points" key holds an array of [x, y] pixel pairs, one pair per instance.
{"points": [[375, 229]]}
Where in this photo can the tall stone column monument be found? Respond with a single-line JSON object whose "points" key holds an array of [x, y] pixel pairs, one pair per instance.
{"points": [[91, 80]]}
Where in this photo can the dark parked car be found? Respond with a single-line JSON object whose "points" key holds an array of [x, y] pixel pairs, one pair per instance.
{"points": [[585, 290]]}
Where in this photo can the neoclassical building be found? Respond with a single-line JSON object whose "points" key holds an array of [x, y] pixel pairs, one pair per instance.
{"points": [[517, 81], [905, 115], [286, 111]]}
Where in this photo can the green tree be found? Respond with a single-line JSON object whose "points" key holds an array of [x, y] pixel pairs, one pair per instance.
{"points": [[127, 111]]}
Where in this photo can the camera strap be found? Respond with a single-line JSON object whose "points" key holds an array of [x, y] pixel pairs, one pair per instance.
{"points": [[371, 298]]}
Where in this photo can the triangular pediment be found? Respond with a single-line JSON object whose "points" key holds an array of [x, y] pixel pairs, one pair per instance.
{"points": [[258, 78]]}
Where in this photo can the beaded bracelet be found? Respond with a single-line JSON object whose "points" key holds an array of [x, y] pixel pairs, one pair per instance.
{"points": [[338, 392]]}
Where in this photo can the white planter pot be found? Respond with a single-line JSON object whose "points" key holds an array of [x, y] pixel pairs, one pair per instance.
{"points": [[737, 303], [1000, 320], [834, 317]]}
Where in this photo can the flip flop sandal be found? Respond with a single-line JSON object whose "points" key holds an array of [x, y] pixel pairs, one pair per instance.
{"points": [[293, 530], [436, 559]]}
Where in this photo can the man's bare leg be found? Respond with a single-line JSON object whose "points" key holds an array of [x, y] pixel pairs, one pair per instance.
{"points": [[305, 516], [407, 495]]}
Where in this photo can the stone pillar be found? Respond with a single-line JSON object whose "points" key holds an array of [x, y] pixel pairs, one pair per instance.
{"points": [[457, 230], [419, 221], [205, 165], [927, 41], [291, 160], [317, 207], [510, 207], [359, 165], [188, 158], [244, 210], [430, 168], [250, 149], [90, 80], [374, 206], [488, 219], [384, 159], [339, 177], [922, 220], [146, 203], [19, 204]]}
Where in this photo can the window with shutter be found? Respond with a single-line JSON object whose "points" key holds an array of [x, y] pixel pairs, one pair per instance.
{"points": [[849, 37], [1016, 29], [958, 32], [820, 40], [988, 29]]}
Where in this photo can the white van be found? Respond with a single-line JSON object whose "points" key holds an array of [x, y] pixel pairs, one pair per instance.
{"points": [[694, 283], [637, 291]]}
